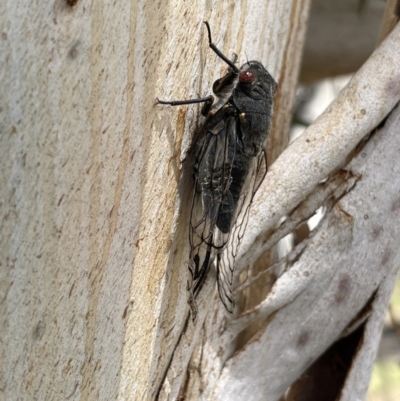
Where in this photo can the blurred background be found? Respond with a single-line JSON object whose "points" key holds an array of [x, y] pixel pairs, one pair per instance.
{"points": [[341, 36]]}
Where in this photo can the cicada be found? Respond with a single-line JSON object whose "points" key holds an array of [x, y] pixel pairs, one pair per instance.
{"points": [[230, 162]]}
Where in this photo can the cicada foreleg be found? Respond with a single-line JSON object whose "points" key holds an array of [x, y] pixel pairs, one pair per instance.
{"points": [[218, 52]]}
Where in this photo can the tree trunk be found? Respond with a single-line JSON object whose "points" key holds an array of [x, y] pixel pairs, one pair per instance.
{"points": [[94, 206]]}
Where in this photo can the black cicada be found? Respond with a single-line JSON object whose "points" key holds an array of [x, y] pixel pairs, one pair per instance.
{"points": [[230, 163]]}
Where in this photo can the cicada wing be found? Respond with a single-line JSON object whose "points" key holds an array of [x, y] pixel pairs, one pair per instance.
{"points": [[226, 259], [212, 174]]}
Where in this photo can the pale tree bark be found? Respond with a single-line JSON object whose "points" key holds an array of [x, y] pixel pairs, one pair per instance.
{"points": [[94, 204]]}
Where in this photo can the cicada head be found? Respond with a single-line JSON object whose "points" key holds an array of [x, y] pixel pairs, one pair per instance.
{"points": [[254, 78]]}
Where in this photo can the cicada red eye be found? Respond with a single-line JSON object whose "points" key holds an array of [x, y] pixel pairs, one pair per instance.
{"points": [[246, 77]]}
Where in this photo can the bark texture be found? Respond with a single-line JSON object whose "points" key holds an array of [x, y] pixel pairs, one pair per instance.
{"points": [[94, 204]]}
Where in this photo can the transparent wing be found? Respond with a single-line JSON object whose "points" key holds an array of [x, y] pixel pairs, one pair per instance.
{"points": [[226, 178], [209, 231], [225, 260]]}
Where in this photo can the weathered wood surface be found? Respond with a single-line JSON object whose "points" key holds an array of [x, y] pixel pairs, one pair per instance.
{"points": [[93, 241], [93, 244]]}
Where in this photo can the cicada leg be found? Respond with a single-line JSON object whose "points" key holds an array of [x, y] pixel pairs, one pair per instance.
{"points": [[208, 102]]}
